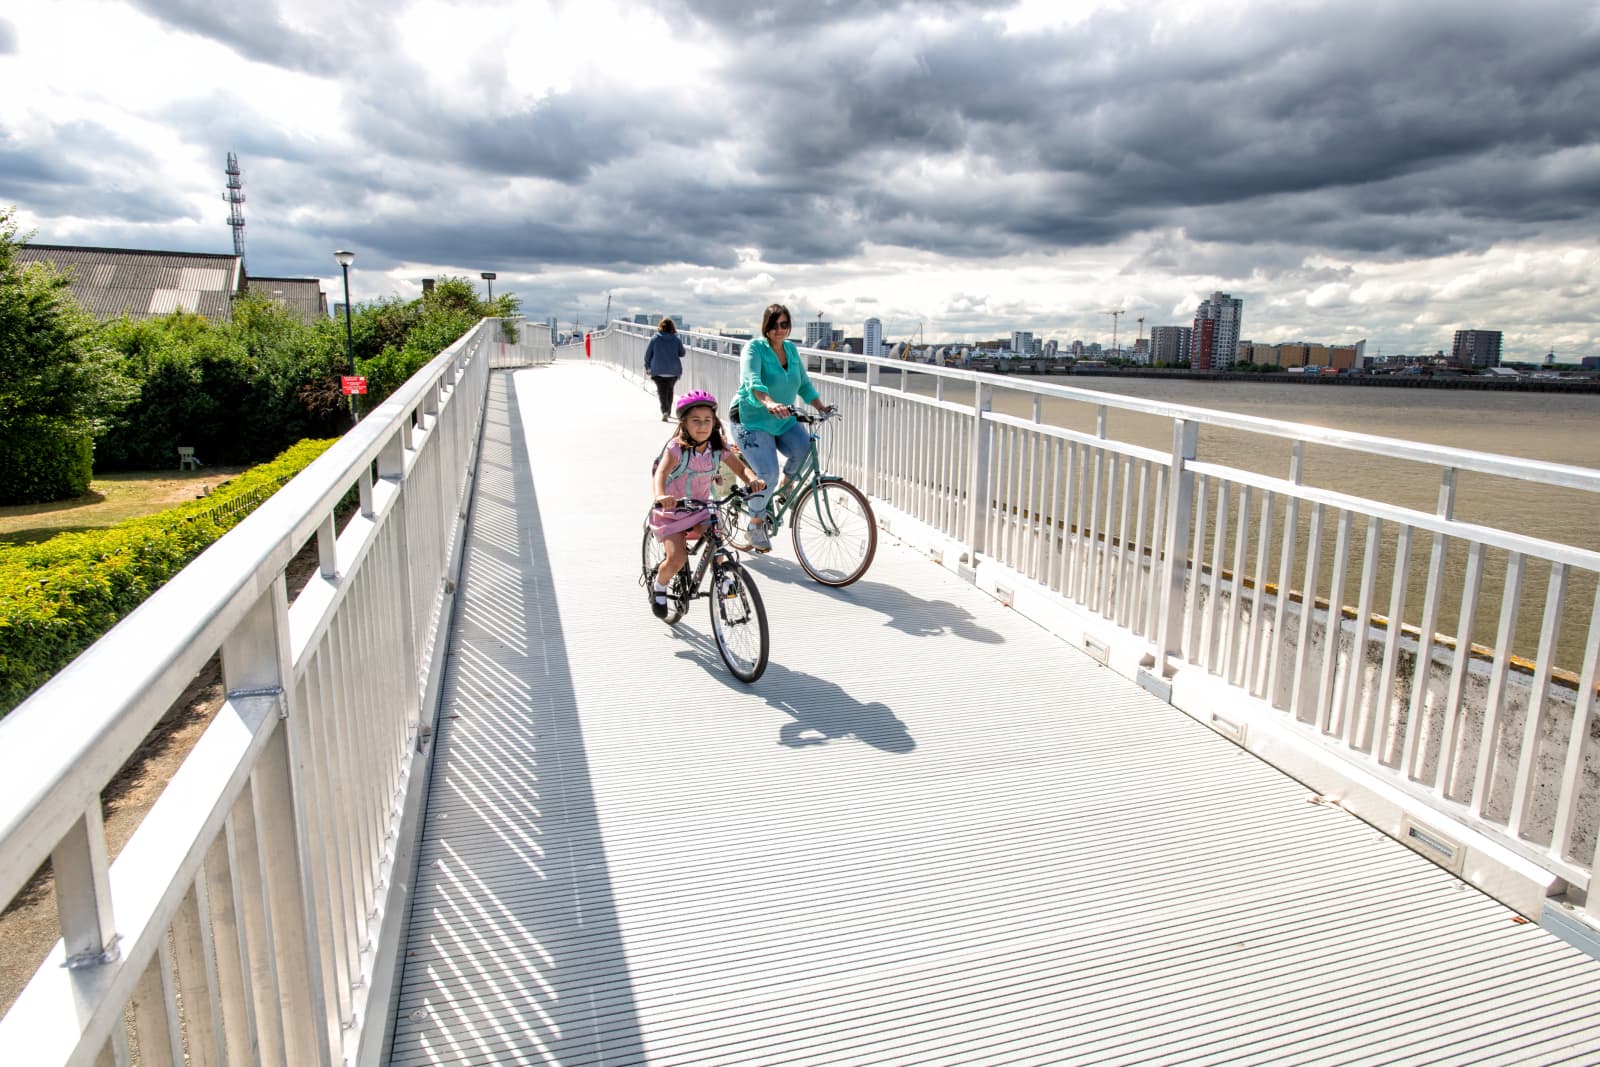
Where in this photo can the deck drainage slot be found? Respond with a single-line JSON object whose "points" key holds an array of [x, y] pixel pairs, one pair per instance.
{"points": [[1003, 594], [1098, 652], [1233, 731], [1434, 845]]}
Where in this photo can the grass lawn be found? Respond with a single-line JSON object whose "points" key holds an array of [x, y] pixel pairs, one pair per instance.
{"points": [[111, 498]]}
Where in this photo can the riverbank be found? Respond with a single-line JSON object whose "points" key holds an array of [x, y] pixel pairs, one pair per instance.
{"points": [[1038, 368], [1388, 381]]}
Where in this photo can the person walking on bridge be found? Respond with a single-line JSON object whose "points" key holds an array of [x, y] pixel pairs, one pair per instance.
{"points": [[663, 361], [771, 376]]}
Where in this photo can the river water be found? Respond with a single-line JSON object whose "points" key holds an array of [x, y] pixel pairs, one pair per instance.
{"points": [[1542, 426]]}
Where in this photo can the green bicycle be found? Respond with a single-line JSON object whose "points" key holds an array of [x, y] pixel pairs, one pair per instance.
{"points": [[835, 533]]}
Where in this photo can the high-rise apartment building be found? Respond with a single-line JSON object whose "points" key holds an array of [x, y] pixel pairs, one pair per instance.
{"points": [[1022, 342], [819, 331], [1169, 344], [1214, 347], [872, 338], [1476, 348]]}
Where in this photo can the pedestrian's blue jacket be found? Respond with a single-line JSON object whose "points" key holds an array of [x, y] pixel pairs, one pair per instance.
{"points": [[664, 357]]}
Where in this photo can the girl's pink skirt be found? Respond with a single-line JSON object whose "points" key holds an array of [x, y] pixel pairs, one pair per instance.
{"points": [[664, 522]]}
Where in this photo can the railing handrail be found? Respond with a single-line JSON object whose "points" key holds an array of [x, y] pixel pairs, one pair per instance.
{"points": [[1563, 475]]}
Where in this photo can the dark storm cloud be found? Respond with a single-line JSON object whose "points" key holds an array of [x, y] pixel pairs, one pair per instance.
{"points": [[255, 30], [795, 17], [1362, 130]]}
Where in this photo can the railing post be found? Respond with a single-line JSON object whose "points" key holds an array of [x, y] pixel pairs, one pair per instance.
{"points": [[392, 468], [1180, 512], [869, 435], [83, 892], [978, 472], [255, 663]]}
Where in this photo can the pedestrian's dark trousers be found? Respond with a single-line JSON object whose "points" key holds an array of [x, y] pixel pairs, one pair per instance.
{"points": [[664, 389]]}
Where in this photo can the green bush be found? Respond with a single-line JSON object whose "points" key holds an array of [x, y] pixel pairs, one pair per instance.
{"points": [[58, 597], [44, 459]]}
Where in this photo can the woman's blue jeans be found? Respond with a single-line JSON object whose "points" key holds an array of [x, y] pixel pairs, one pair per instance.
{"points": [[761, 452]]}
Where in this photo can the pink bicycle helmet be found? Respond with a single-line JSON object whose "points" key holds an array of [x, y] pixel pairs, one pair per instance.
{"points": [[694, 398]]}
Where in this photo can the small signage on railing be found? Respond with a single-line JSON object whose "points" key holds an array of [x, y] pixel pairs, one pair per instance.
{"points": [[352, 383]]}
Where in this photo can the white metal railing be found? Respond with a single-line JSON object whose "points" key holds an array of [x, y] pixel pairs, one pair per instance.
{"points": [[534, 344], [1226, 589], [252, 915]]}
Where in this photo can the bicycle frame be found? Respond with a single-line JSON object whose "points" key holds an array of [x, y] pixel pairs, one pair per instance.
{"points": [[697, 570], [808, 475]]}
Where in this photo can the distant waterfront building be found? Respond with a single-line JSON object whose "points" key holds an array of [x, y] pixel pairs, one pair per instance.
{"points": [[1022, 342], [644, 320], [1169, 344], [819, 331], [872, 338], [1214, 346], [1476, 348]]}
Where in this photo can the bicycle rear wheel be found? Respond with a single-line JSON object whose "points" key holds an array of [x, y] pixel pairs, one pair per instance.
{"points": [[739, 620], [651, 555], [835, 532]]}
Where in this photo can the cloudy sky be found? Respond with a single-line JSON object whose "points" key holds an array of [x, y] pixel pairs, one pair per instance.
{"points": [[1382, 170]]}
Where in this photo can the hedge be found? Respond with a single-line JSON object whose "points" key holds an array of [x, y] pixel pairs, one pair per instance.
{"points": [[58, 597], [44, 458]]}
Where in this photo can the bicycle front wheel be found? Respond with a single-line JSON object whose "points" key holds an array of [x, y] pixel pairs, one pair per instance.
{"points": [[835, 533], [734, 519], [651, 555], [739, 620]]}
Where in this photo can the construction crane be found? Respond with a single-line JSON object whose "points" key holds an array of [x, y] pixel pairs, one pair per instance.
{"points": [[1115, 314]]}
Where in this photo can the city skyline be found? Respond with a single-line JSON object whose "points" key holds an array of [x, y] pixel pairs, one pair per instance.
{"points": [[1396, 173]]}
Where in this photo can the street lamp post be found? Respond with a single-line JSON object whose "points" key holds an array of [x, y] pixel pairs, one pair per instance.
{"points": [[345, 259], [489, 277]]}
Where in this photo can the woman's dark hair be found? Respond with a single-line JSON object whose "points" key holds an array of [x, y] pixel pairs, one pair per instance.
{"points": [[681, 434], [666, 326], [773, 313]]}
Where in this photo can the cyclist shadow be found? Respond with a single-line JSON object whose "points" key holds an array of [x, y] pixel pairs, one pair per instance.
{"points": [[822, 712], [907, 613]]}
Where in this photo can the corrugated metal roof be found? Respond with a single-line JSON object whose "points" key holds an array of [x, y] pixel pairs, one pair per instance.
{"points": [[111, 282], [302, 296], [931, 833]]}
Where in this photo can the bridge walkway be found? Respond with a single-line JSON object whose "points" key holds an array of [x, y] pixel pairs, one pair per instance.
{"points": [[931, 833]]}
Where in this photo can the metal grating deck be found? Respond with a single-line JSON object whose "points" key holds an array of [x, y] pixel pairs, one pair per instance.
{"points": [[931, 833]]}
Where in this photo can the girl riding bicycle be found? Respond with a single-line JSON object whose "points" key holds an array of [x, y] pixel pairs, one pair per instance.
{"points": [[688, 468]]}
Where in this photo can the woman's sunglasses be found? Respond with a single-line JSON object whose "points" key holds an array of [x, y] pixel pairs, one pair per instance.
{"points": [[784, 325]]}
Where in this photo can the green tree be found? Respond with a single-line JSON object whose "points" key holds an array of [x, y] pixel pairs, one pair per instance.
{"points": [[59, 383]]}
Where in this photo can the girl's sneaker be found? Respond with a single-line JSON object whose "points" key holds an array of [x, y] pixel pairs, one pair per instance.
{"points": [[759, 541], [658, 600]]}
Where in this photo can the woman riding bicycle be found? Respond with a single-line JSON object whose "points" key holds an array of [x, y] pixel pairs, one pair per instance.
{"points": [[687, 469], [771, 375]]}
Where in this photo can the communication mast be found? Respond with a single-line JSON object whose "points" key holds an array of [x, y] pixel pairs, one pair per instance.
{"points": [[235, 198]]}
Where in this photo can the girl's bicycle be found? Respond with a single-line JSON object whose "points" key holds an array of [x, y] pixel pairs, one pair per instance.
{"points": [[835, 533], [738, 618]]}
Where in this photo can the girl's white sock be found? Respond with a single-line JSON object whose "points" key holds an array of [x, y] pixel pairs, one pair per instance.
{"points": [[656, 587]]}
